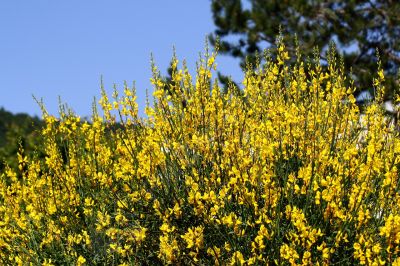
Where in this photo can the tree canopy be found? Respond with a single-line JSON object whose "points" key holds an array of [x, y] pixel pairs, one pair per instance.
{"points": [[359, 28], [17, 130]]}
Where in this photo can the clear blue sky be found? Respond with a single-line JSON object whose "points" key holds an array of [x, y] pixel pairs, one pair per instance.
{"points": [[61, 48]]}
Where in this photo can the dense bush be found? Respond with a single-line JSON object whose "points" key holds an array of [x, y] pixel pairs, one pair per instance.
{"points": [[288, 172], [17, 130]]}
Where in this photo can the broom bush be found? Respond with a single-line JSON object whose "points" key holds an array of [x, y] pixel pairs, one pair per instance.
{"points": [[287, 172]]}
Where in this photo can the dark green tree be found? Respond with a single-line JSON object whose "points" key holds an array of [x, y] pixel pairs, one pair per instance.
{"points": [[358, 27], [17, 130]]}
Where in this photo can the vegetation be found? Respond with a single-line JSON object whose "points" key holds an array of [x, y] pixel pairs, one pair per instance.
{"points": [[287, 173], [17, 130], [358, 27]]}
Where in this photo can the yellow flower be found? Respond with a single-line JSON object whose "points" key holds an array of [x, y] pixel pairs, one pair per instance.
{"points": [[194, 237], [140, 234], [51, 208], [237, 258], [81, 260], [47, 262]]}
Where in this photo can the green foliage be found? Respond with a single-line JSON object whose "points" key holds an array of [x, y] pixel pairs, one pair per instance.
{"points": [[17, 130], [368, 25], [289, 173]]}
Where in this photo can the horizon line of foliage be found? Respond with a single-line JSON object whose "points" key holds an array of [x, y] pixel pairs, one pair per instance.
{"points": [[289, 172]]}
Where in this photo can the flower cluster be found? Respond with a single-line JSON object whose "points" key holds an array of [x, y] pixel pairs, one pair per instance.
{"points": [[286, 171]]}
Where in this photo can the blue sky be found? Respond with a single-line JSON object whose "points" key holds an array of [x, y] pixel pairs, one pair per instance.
{"points": [[61, 48]]}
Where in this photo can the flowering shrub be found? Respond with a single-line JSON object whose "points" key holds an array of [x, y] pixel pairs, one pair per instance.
{"points": [[285, 173]]}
